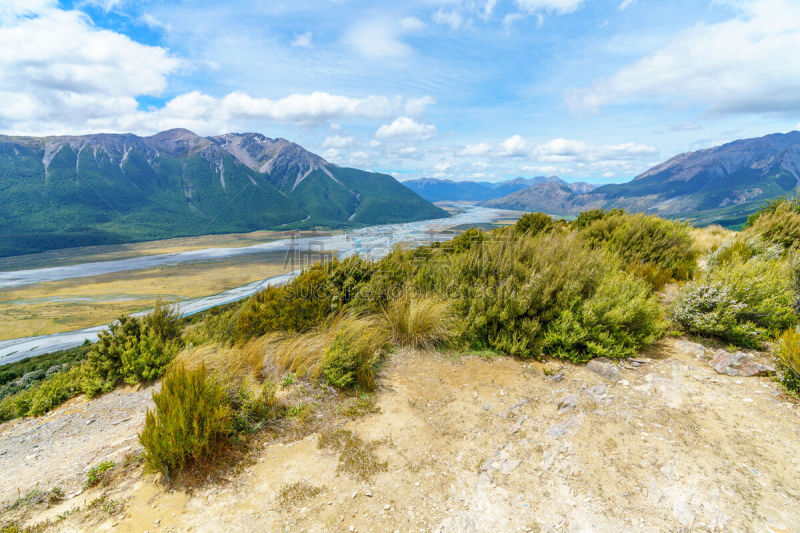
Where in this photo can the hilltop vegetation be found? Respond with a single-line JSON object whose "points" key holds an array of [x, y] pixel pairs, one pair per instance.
{"points": [[538, 289]]}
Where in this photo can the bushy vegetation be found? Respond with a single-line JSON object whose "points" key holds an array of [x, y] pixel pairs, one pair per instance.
{"points": [[654, 248], [745, 296], [354, 353], [420, 321], [787, 359], [778, 222], [133, 350], [191, 421]]}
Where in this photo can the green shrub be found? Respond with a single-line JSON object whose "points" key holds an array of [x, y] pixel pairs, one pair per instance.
{"points": [[744, 302], [251, 411], [643, 239], [133, 350], [190, 424], [615, 321], [779, 223], [587, 217], [534, 223], [787, 360], [44, 396], [516, 295], [298, 306], [353, 356], [96, 474], [420, 321]]}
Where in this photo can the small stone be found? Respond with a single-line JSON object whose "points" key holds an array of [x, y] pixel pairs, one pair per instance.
{"points": [[386, 507], [353, 497], [604, 367], [352, 528], [558, 376], [157, 521], [692, 348], [486, 407], [90, 421], [568, 403], [368, 493]]}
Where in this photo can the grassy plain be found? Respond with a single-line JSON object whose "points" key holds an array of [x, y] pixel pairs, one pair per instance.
{"points": [[66, 305]]}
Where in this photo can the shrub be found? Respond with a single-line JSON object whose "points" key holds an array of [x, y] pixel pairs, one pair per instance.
{"points": [[780, 223], [190, 424], [298, 306], [617, 319], [644, 239], [745, 302], [419, 321], [252, 410], [133, 350], [353, 355], [534, 223], [587, 217], [787, 360], [516, 295], [97, 473], [46, 395]]}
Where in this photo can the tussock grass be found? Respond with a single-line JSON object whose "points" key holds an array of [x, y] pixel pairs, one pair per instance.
{"points": [[709, 238], [298, 492], [356, 458], [421, 322]]}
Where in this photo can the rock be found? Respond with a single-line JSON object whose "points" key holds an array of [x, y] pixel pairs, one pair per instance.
{"points": [[739, 364], [568, 403], [90, 421], [692, 348], [597, 393], [518, 425], [558, 376], [368, 493], [604, 367], [559, 430], [486, 407]]}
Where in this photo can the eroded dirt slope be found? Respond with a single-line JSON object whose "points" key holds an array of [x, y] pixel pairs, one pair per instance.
{"points": [[495, 445]]}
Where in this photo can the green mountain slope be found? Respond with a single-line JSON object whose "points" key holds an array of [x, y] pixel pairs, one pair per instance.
{"points": [[60, 192]]}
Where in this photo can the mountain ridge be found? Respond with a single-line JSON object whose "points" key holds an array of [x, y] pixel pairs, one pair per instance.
{"points": [[77, 190], [437, 190], [722, 184]]}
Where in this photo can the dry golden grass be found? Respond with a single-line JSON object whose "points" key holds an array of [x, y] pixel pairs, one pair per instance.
{"points": [[709, 238], [78, 303], [419, 321]]}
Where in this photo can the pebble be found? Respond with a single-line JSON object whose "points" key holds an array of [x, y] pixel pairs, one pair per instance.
{"points": [[486, 407], [368, 493]]}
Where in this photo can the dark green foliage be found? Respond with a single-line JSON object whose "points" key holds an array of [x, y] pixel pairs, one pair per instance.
{"points": [[133, 350], [191, 423], [46, 395], [642, 240], [294, 307], [787, 361], [22, 375], [96, 474], [534, 223]]}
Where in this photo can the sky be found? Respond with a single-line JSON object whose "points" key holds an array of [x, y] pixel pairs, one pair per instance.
{"points": [[590, 90]]}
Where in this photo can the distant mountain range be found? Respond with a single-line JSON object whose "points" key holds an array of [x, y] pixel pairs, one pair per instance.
{"points": [[718, 185], [59, 192], [435, 190]]}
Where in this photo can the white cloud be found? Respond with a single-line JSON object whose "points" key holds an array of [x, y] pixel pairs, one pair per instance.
{"points": [[475, 149], [381, 38], [514, 146], [58, 68], [625, 4], [416, 106], [303, 40], [338, 141], [748, 64], [559, 7], [566, 150], [450, 18], [542, 169], [406, 127], [411, 24]]}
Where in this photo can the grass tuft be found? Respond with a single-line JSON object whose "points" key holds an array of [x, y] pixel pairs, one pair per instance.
{"points": [[421, 322]]}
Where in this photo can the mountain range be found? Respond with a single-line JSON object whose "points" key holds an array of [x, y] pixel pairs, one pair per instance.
{"points": [[436, 190], [720, 185], [65, 191]]}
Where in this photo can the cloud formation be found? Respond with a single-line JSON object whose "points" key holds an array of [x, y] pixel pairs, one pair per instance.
{"points": [[747, 64], [406, 127]]}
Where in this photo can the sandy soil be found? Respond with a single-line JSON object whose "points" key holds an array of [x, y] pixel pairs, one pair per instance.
{"points": [[489, 445]]}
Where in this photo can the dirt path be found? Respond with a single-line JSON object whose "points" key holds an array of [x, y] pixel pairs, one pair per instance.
{"points": [[476, 445]]}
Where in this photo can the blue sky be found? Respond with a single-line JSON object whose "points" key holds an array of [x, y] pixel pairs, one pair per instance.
{"points": [[595, 90]]}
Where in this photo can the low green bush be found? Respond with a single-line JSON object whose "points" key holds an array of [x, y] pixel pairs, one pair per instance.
{"points": [[45, 395], [353, 356], [296, 307], [787, 360], [191, 423], [644, 240], [133, 350], [534, 223], [742, 301], [779, 222]]}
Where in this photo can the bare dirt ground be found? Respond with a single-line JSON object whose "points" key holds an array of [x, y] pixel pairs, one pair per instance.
{"points": [[470, 445]]}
